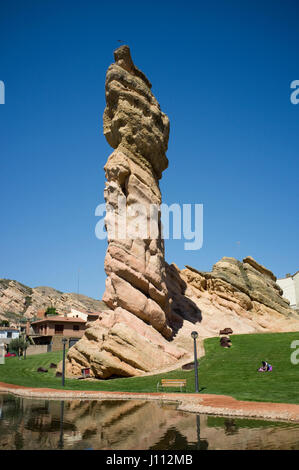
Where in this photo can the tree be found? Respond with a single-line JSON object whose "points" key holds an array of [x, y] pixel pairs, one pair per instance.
{"points": [[4, 323], [18, 345], [51, 311]]}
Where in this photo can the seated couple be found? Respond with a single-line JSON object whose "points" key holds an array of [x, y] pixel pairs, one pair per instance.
{"points": [[265, 367]]}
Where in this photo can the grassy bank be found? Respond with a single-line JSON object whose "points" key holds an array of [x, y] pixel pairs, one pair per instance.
{"points": [[222, 371]]}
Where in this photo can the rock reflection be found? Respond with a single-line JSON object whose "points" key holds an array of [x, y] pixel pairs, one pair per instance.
{"points": [[230, 426], [131, 424]]}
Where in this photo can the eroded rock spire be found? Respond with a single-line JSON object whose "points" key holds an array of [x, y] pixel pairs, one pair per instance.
{"points": [[133, 120], [131, 337], [136, 127]]}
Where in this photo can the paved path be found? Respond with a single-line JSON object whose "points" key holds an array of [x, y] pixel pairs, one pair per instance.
{"points": [[192, 402]]}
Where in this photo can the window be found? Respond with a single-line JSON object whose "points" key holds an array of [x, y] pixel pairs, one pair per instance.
{"points": [[9, 334], [76, 327], [59, 329]]}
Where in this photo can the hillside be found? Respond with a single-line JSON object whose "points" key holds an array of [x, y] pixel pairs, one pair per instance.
{"points": [[19, 301]]}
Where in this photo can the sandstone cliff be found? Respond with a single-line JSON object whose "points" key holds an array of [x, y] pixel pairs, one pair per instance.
{"points": [[240, 295]]}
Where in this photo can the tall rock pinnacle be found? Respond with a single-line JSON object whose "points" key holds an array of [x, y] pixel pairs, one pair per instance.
{"points": [[131, 337], [136, 127]]}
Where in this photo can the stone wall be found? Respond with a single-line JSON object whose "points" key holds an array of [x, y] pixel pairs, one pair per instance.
{"points": [[37, 349]]}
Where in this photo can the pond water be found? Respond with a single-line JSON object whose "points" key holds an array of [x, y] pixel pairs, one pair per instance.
{"points": [[131, 425]]}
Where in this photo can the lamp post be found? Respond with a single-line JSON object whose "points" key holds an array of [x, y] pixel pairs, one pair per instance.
{"points": [[24, 339], [194, 335], [64, 341]]}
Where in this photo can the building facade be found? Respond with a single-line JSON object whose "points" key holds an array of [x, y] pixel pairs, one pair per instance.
{"points": [[290, 287], [50, 331], [7, 334], [58, 325]]}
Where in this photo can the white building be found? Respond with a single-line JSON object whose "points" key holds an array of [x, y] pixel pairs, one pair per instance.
{"points": [[77, 314], [86, 316], [7, 334], [290, 287]]}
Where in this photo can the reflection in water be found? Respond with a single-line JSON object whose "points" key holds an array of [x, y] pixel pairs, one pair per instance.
{"points": [[230, 426], [60, 443], [198, 433], [131, 424]]}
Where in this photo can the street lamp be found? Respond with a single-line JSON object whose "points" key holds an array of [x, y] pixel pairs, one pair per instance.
{"points": [[194, 335], [64, 341], [25, 348]]}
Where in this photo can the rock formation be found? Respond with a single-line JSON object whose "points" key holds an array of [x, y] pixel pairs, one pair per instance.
{"points": [[131, 338], [243, 295], [153, 306], [136, 127]]}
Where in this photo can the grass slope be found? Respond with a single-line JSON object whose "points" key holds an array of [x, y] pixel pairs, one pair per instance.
{"points": [[222, 371]]}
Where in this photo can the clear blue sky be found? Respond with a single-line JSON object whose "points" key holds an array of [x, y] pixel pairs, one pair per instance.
{"points": [[221, 70]]}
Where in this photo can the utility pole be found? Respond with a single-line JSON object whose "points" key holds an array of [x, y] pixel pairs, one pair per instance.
{"points": [[64, 341], [78, 281]]}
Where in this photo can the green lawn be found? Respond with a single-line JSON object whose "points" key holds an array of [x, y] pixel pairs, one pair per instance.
{"points": [[222, 371]]}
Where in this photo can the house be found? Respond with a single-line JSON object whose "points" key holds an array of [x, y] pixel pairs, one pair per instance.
{"points": [[51, 329], [290, 287]]}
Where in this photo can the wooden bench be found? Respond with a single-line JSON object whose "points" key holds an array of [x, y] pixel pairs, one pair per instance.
{"points": [[172, 383]]}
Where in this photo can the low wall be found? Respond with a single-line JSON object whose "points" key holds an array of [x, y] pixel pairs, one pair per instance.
{"points": [[57, 344], [37, 349]]}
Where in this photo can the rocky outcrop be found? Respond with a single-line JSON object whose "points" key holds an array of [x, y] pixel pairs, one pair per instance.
{"points": [[119, 344], [253, 280], [243, 295], [14, 297]]}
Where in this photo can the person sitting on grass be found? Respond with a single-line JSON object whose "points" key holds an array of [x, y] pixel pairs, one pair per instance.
{"points": [[265, 367]]}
